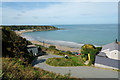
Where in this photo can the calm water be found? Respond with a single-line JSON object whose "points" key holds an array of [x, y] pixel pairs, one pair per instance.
{"points": [[75, 35]]}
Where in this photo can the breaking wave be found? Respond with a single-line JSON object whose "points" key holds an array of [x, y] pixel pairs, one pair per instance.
{"points": [[55, 42]]}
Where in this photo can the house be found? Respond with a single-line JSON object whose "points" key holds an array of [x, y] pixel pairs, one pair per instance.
{"points": [[111, 50], [109, 57], [34, 49]]}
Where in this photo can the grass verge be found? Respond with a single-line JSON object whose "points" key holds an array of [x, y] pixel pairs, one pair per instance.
{"points": [[71, 61]]}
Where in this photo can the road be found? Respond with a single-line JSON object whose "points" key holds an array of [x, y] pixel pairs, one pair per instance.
{"points": [[78, 72]]}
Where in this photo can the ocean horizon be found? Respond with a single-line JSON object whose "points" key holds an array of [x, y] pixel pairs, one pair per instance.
{"points": [[77, 35]]}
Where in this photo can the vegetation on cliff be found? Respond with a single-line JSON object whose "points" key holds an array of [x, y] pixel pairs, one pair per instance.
{"points": [[15, 46], [15, 70], [16, 61], [30, 27], [53, 50]]}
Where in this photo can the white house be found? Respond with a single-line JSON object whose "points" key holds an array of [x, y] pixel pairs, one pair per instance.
{"points": [[34, 49], [111, 50], [109, 57]]}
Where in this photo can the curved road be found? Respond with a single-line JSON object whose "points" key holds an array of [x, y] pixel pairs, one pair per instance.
{"points": [[79, 72]]}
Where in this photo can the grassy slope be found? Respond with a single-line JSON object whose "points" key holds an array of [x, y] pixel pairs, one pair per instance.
{"points": [[55, 51], [72, 61], [14, 69]]}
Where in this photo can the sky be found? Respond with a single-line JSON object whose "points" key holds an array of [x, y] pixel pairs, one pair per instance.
{"points": [[59, 13], [60, 0]]}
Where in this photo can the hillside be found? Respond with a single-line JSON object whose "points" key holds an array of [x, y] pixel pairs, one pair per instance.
{"points": [[16, 61], [29, 27], [14, 46]]}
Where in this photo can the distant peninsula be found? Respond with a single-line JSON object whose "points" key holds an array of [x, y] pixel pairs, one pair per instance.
{"points": [[30, 27]]}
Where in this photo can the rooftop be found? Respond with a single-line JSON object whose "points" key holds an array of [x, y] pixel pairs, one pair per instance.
{"points": [[107, 61], [112, 46]]}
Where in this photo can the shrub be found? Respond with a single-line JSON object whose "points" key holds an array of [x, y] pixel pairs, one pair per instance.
{"points": [[85, 49], [84, 57], [15, 46], [92, 56], [52, 47], [68, 52], [88, 51], [99, 48]]}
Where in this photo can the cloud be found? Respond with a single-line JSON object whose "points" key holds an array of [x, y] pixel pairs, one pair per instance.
{"points": [[64, 13], [23, 11], [19, 14], [16, 18], [35, 17], [85, 14], [60, 1]]}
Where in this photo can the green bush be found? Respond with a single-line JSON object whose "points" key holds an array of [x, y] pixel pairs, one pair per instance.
{"points": [[84, 57], [52, 47], [92, 56], [99, 48], [89, 51], [15, 46], [68, 52]]}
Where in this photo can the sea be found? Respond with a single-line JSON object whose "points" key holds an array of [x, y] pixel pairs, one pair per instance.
{"points": [[77, 35]]}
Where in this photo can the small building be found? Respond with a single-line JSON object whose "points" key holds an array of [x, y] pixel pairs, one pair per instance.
{"points": [[34, 49], [111, 50], [109, 56]]}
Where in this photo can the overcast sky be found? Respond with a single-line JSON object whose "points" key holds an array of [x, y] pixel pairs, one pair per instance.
{"points": [[59, 13]]}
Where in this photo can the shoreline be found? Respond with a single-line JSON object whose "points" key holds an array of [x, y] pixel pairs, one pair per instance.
{"points": [[23, 31], [64, 48]]}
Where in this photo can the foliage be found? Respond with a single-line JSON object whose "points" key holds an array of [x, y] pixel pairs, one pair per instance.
{"points": [[16, 58], [55, 51], [25, 27], [87, 47], [84, 57], [68, 52], [52, 47], [72, 61], [89, 51], [13, 69], [15, 46], [99, 48], [92, 56]]}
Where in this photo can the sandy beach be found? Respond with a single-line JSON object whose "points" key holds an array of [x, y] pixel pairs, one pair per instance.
{"points": [[22, 31], [64, 48]]}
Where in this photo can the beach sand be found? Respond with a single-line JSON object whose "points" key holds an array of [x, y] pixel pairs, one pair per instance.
{"points": [[20, 32], [63, 48]]}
